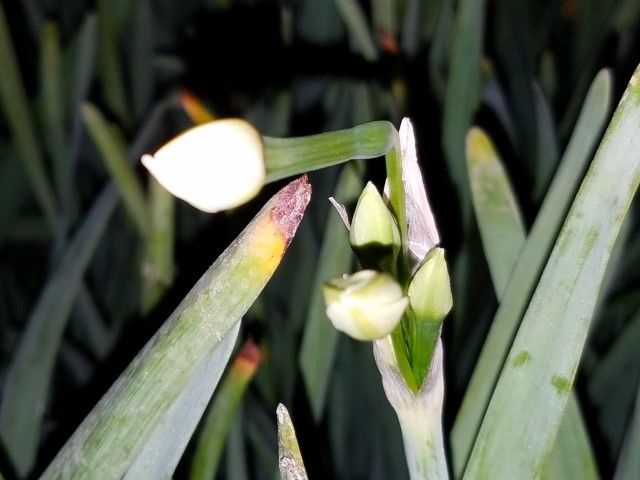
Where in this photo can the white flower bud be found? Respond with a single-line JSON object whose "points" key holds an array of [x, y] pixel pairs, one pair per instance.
{"points": [[430, 288], [214, 166], [372, 223], [367, 305]]}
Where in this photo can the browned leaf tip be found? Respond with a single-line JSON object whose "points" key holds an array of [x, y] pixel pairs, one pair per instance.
{"points": [[289, 205], [250, 352]]}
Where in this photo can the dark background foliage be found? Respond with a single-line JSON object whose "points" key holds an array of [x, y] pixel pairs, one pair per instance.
{"points": [[295, 67]]}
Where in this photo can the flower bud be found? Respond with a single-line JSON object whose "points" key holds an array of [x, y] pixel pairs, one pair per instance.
{"points": [[374, 235], [430, 289], [367, 305], [214, 166]]}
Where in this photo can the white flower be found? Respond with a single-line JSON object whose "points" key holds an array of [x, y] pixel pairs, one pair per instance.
{"points": [[214, 166], [366, 305]]}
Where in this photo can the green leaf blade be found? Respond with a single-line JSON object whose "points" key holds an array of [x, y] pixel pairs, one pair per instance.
{"points": [[528, 268], [572, 456], [463, 87], [499, 219], [356, 22], [556, 323], [222, 413], [115, 160], [27, 380], [503, 236], [131, 416], [16, 108]]}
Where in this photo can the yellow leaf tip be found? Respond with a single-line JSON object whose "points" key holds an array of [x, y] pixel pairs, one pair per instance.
{"points": [[480, 149]]}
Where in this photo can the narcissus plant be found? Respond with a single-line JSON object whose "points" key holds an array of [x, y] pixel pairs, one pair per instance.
{"points": [[402, 305]]}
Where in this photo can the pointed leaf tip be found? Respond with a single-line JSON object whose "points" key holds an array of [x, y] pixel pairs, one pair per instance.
{"points": [[289, 456], [289, 205]]}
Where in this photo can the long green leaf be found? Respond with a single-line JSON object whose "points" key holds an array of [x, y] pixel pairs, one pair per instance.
{"points": [[463, 88], [461, 99], [237, 466], [222, 413], [159, 457], [123, 433], [547, 156], [528, 268], [110, 70], [115, 160], [27, 380], [629, 461], [542, 362], [356, 22], [514, 46], [497, 212], [53, 111], [157, 268], [439, 50], [17, 111], [78, 74], [320, 338], [79, 66], [501, 226], [571, 456], [383, 13]]}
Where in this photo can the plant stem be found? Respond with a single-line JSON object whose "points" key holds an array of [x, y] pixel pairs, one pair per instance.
{"points": [[285, 157], [419, 414]]}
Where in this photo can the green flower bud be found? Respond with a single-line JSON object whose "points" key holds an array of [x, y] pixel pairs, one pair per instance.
{"points": [[430, 289], [374, 235], [367, 305]]}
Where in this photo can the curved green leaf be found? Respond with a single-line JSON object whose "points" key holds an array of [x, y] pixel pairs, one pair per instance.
{"points": [[528, 268], [531, 394], [125, 434]]}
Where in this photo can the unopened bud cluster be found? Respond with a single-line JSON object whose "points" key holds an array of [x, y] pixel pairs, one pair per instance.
{"points": [[370, 304]]}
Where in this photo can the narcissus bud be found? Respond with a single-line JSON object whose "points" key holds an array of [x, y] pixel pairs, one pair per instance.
{"points": [[430, 289], [214, 166], [367, 305], [374, 234]]}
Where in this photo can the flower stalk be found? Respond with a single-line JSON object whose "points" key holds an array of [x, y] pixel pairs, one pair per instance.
{"points": [[419, 413]]}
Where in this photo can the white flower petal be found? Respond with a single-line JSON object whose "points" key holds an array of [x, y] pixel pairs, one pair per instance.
{"points": [[422, 231], [215, 166]]}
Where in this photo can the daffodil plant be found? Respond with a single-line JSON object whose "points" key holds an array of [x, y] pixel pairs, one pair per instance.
{"points": [[399, 303], [400, 298]]}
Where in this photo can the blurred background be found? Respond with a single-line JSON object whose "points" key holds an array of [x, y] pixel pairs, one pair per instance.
{"points": [[87, 87]]}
